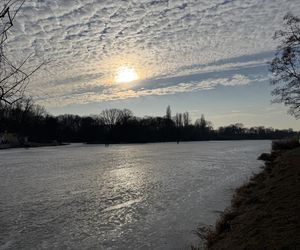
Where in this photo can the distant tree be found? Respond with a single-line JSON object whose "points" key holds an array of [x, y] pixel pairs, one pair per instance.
{"points": [[124, 116], [178, 120], [14, 78], [186, 119], [111, 117], [201, 123], [39, 111], [286, 66], [168, 113], [204, 127], [72, 123], [240, 128]]}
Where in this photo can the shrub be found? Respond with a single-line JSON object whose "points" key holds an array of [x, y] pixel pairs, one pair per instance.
{"points": [[285, 144]]}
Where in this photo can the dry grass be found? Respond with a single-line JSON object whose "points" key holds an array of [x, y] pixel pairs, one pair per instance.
{"points": [[209, 234], [263, 212], [206, 234]]}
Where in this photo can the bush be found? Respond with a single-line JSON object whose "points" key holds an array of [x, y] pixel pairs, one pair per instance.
{"points": [[285, 144]]}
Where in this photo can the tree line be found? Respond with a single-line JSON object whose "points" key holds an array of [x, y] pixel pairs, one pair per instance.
{"points": [[26, 119]]}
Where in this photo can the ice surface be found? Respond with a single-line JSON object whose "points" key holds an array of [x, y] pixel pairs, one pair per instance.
{"points": [[142, 196]]}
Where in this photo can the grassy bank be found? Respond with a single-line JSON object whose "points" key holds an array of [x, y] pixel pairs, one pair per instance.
{"points": [[265, 212]]}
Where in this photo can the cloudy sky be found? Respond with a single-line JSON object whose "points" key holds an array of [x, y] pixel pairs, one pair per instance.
{"points": [[203, 56]]}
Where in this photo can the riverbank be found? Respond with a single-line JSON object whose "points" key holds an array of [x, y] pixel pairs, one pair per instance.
{"points": [[31, 145], [264, 213]]}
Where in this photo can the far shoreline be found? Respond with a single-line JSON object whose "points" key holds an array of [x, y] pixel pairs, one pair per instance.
{"points": [[31, 145], [38, 144], [121, 143]]}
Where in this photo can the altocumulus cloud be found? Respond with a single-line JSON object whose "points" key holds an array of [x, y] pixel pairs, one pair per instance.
{"points": [[181, 46]]}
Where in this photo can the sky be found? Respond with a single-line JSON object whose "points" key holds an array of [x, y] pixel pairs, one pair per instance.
{"points": [[203, 56]]}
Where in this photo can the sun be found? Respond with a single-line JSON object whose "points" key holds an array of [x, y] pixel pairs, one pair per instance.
{"points": [[126, 74]]}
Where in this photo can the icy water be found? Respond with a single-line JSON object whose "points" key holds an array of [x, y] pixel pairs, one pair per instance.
{"points": [[142, 196]]}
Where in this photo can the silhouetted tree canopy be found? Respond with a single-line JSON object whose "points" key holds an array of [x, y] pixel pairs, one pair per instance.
{"points": [[286, 66], [25, 119]]}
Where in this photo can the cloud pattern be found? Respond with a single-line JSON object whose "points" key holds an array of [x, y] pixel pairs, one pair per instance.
{"points": [[176, 46]]}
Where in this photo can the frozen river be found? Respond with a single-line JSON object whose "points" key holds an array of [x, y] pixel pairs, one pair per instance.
{"points": [[141, 196]]}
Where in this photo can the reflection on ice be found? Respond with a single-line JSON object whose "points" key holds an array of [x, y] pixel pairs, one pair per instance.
{"points": [[148, 196], [122, 205]]}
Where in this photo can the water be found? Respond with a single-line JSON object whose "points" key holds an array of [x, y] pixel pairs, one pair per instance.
{"points": [[142, 196]]}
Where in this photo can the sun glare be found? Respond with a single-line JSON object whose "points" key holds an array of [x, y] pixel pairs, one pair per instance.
{"points": [[126, 74]]}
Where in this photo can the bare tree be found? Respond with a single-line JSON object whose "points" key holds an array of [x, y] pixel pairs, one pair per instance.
{"points": [[124, 116], [201, 123], [178, 120], [186, 119], [110, 116], [14, 78], [113, 116], [286, 66]]}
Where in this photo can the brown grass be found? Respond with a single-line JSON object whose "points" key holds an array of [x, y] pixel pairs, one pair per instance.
{"points": [[264, 211]]}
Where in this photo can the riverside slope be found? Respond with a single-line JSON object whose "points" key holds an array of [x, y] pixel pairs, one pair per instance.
{"points": [[265, 213]]}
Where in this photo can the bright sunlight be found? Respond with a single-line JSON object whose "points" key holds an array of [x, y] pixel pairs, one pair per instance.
{"points": [[126, 74]]}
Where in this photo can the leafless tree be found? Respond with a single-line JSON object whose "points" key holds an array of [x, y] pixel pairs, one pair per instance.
{"points": [[111, 117], [14, 78], [178, 120], [286, 66], [186, 119], [201, 123], [124, 116]]}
